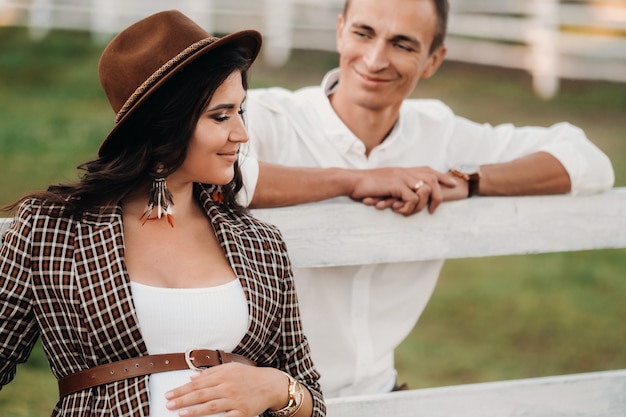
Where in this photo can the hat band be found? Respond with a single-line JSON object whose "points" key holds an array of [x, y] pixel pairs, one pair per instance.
{"points": [[159, 73]]}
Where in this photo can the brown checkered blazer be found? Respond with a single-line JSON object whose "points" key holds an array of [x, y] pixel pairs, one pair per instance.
{"points": [[64, 279]]}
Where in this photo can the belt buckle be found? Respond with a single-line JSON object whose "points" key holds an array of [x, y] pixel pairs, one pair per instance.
{"points": [[189, 359]]}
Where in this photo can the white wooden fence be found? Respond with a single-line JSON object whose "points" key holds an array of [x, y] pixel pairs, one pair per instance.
{"points": [[551, 39], [336, 233]]}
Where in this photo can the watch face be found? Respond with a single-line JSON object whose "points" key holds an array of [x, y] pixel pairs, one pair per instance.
{"points": [[467, 168]]}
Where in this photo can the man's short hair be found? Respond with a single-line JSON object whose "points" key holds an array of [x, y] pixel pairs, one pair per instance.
{"points": [[442, 8]]}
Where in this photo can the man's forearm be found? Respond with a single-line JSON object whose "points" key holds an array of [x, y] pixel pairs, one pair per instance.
{"points": [[280, 186], [535, 174]]}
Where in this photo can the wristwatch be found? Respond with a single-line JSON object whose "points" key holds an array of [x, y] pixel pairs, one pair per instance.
{"points": [[296, 397], [471, 174]]}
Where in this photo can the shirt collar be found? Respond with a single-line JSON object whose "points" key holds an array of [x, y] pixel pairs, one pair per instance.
{"points": [[330, 81], [329, 86], [343, 138]]}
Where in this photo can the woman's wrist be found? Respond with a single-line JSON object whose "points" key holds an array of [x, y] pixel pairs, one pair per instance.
{"points": [[294, 398]]}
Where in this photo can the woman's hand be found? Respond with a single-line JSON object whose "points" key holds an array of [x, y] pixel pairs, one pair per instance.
{"points": [[236, 389]]}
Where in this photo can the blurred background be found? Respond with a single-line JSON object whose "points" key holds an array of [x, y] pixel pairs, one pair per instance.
{"points": [[551, 39], [527, 62]]}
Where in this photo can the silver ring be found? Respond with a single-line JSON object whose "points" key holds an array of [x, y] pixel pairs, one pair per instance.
{"points": [[418, 185]]}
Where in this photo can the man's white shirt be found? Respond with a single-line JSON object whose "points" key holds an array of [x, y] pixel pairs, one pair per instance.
{"points": [[355, 316]]}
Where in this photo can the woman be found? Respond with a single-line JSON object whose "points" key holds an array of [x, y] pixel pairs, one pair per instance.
{"points": [[135, 302]]}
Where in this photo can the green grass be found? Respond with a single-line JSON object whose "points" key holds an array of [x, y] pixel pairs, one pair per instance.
{"points": [[518, 317], [52, 112], [489, 319], [33, 393]]}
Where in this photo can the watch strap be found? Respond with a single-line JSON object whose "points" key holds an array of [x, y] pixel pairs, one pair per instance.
{"points": [[296, 398], [473, 180]]}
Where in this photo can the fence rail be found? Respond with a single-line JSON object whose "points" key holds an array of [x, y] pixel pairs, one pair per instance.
{"points": [[551, 39], [342, 233], [596, 394]]}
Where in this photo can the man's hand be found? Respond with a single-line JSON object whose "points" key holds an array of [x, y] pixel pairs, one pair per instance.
{"points": [[406, 190]]}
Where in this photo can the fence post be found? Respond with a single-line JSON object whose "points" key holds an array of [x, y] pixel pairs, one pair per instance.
{"points": [[202, 12], [543, 38], [40, 19], [277, 33], [103, 18]]}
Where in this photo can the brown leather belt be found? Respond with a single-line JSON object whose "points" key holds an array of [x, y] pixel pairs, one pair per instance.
{"points": [[196, 359]]}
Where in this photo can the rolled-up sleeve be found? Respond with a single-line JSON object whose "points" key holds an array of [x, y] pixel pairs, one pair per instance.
{"points": [[590, 170]]}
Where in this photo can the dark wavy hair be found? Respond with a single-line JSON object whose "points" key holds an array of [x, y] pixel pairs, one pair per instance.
{"points": [[155, 142], [442, 8]]}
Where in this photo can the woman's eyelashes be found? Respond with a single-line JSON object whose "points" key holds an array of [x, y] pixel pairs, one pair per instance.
{"points": [[223, 116]]}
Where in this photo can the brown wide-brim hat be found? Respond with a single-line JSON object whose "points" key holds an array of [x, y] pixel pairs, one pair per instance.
{"points": [[144, 56]]}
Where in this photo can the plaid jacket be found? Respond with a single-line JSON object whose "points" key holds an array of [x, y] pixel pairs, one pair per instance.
{"points": [[64, 279]]}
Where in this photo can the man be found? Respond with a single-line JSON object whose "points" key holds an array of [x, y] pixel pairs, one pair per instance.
{"points": [[375, 145]]}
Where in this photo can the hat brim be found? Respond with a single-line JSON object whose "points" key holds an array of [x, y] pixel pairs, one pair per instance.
{"points": [[249, 41]]}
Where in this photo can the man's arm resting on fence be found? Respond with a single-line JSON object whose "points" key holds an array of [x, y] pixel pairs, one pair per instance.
{"points": [[280, 186], [536, 174]]}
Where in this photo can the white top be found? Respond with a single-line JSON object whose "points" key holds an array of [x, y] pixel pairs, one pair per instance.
{"points": [[177, 319], [355, 316]]}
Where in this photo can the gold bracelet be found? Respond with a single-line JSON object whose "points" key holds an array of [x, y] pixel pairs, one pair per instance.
{"points": [[296, 398]]}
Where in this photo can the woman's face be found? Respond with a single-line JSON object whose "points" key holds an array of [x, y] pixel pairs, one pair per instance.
{"points": [[214, 145]]}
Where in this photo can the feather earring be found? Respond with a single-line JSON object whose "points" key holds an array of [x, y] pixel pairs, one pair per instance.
{"points": [[217, 195], [160, 200]]}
